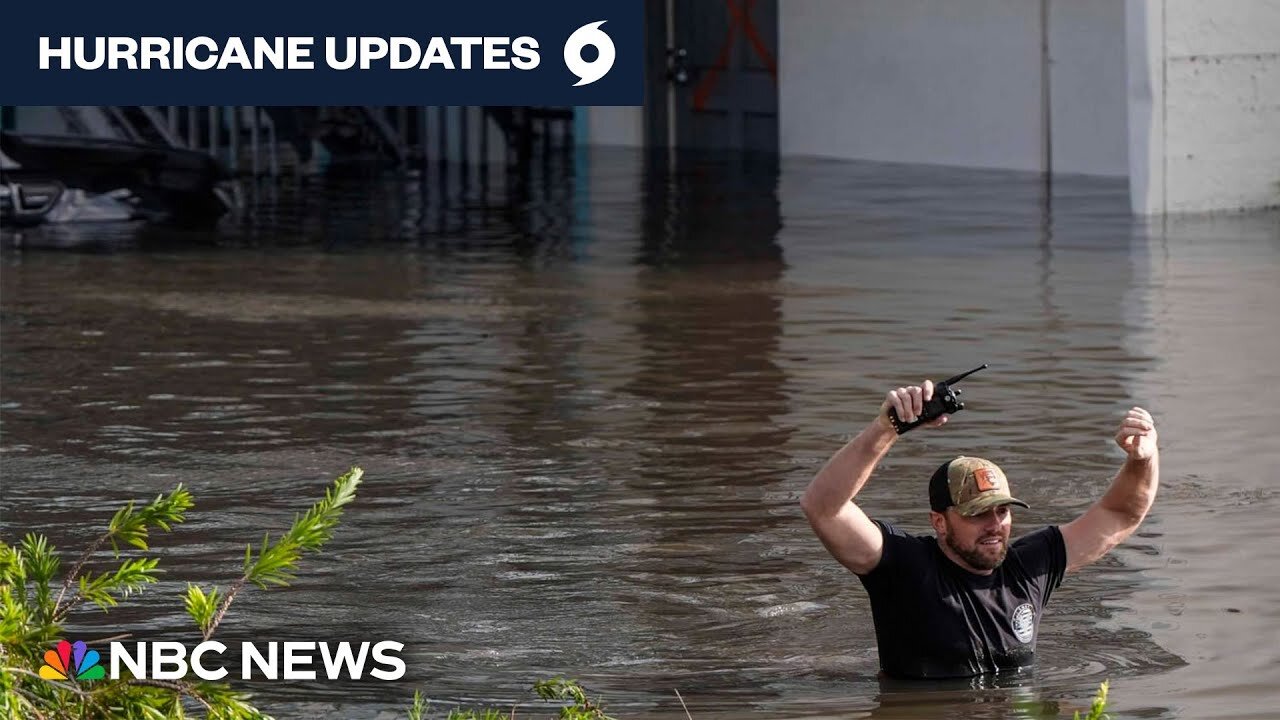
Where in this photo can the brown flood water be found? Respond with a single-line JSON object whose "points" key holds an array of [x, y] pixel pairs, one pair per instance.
{"points": [[586, 416]]}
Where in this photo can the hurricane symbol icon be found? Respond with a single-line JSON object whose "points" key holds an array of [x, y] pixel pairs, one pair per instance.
{"points": [[589, 72]]}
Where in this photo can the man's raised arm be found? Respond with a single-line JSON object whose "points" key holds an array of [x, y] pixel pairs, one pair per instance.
{"points": [[845, 530], [1119, 512]]}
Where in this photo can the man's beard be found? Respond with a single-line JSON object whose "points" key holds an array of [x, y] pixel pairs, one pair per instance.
{"points": [[975, 557]]}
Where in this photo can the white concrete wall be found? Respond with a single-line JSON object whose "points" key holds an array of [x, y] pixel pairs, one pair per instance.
{"points": [[1204, 118], [1087, 87], [954, 83]]}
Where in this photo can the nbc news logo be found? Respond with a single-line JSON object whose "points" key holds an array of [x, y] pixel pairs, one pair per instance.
{"points": [[291, 660]]}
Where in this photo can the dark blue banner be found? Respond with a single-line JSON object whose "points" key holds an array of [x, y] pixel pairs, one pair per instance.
{"points": [[364, 52]]}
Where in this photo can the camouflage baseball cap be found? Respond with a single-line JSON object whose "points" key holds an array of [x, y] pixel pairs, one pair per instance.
{"points": [[973, 485]]}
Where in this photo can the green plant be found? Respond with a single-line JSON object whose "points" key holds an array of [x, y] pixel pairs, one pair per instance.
{"points": [[581, 708], [419, 706], [274, 563], [31, 618], [1097, 709], [486, 714]]}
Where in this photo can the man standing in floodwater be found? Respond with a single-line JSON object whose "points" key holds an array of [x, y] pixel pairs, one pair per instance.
{"points": [[966, 602]]}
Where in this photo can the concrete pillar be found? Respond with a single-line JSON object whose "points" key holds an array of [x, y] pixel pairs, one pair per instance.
{"points": [[1204, 105]]}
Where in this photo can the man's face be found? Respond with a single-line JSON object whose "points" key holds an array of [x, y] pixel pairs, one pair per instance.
{"points": [[981, 540]]}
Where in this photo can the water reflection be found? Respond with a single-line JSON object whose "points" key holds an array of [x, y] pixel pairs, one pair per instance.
{"points": [[989, 697], [587, 406], [707, 322]]}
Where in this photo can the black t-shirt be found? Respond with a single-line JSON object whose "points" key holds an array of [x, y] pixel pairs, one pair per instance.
{"points": [[934, 619]]}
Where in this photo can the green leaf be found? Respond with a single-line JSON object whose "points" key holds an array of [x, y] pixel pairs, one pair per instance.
{"points": [[40, 564], [163, 512], [106, 589], [15, 619], [1097, 710], [419, 706], [275, 563], [12, 571], [486, 714], [201, 607]]}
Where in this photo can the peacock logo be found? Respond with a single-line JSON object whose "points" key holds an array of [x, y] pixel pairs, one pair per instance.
{"points": [[58, 665]]}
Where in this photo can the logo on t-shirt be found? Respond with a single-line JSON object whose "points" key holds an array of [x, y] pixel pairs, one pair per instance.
{"points": [[1024, 624]]}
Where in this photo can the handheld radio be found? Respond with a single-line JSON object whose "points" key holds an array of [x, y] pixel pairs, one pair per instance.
{"points": [[945, 401]]}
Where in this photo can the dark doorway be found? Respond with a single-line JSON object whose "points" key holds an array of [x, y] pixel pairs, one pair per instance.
{"points": [[713, 74]]}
